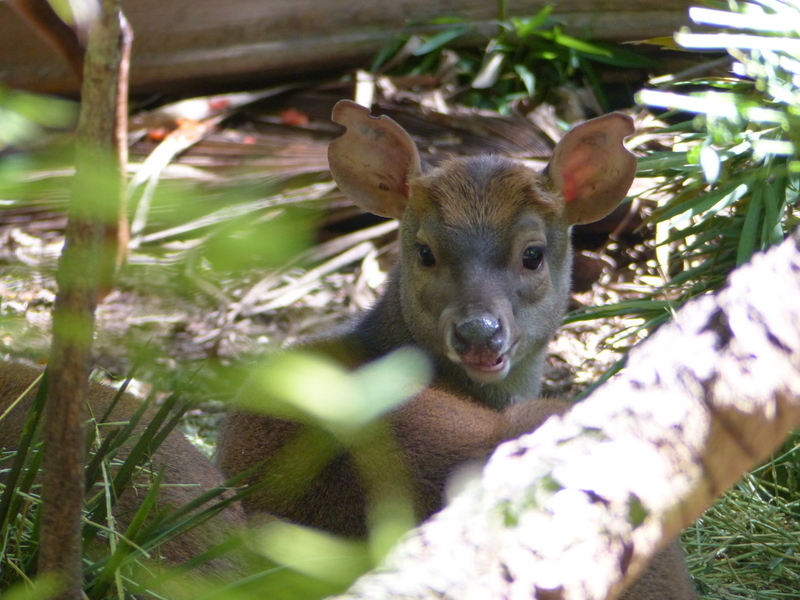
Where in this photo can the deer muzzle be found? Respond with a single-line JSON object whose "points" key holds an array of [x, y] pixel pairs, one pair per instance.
{"points": [[481, 345]]}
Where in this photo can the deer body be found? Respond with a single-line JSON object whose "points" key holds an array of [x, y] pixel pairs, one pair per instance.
{"points": [[481, 285]]}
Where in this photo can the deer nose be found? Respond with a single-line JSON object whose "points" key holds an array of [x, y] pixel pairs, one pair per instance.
{"points": [[481, 333]]}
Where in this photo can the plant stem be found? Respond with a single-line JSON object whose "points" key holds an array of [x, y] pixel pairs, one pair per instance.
{"points": [[96, 195]]}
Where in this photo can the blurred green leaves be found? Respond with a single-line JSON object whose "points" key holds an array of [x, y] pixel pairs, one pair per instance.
{"points": [[312, 387], [26, 119], [266, 241], [342, 411], [315, 554], [292, 561], [41, 588]]}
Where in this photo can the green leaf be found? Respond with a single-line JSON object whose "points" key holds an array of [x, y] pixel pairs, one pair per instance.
{"points": [[621, 309], [747, 238], [775, 204], [657, 163], [109, 568], [24, 466], [528, 79], [41, 588], [290, 383], [580, 45], [440, 40], [320, 555], [387, 52], [716, 199], [525, 27], [637, 512], [666, 42]]}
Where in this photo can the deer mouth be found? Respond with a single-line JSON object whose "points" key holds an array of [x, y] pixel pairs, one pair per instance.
{"points": [[484, 367]]}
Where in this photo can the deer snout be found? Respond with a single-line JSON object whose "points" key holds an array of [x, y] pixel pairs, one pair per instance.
{"points": [[480, 344], [483, 333]]}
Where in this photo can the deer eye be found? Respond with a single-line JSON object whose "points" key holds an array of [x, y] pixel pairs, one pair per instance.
{"points": [[426, 257], [533, 257]]}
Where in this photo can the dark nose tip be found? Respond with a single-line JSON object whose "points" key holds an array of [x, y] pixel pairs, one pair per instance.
{"points": [[482, 333]]}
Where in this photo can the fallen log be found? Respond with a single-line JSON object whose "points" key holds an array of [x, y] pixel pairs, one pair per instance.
{"points": [[186, 45]]}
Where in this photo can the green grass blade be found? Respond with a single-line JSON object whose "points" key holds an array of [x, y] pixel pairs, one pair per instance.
{"points": [[441, 39], [8, 506], [748, 236], [98, 588]]}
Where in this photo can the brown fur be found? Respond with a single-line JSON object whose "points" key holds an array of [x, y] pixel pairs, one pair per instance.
{"points": [[187, 473], [457, 192], [480, 287]]}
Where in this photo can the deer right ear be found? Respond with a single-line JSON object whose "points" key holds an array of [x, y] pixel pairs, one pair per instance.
{"points": [[592, 167], [373, 161]]}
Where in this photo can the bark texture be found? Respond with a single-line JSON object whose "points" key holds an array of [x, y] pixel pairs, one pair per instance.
{"points": [[575, 510]]}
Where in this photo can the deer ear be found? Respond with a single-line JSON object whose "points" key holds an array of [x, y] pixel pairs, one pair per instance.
{"points": [[373, 161], [592, 168]]}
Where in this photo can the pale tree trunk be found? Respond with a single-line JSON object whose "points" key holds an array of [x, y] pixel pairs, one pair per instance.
{"points": [[95, 207], [575, 510]]}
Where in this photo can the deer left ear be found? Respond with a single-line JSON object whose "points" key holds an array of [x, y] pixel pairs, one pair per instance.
{"points": [[592, 168], [373, 161]]}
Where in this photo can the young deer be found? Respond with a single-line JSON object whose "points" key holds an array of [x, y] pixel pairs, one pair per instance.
{"points": [[481, 285]]}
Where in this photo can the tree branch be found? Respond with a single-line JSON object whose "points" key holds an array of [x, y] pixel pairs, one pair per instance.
{"points": [[576, 509]]}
